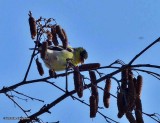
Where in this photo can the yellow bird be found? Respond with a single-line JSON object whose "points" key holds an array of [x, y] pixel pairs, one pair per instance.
{"points": [[56, 56]]}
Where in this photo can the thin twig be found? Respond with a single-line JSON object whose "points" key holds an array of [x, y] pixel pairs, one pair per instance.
{"points": [[139, 54], [16, 104], [156, 75], [151, 116], [31, 60], [32, 98]]}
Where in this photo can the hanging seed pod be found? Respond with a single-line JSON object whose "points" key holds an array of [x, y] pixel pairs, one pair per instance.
{"points": [[94, 88], [138, 104], [60, 33], [124, 78], [106, 94], [39, 67], [54, 36], [32, 24], [77, 79], [93, 106], [49, 35], [135, 83], [65, 41], [93, 77], [91, 66], [95, 93], [131, 95], [139, 118], [130, 117], [139, 85], [80, 91], [120, 105], [78, 84], [44, 50]]}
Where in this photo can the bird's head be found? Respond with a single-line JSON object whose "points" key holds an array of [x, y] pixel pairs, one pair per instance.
{"points": [[82, 53]]}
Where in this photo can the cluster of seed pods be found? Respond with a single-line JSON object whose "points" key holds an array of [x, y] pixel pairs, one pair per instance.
{"points": [[128, 97]]}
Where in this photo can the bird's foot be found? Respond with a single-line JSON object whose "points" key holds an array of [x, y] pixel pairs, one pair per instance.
{"points": [[52, 73]]}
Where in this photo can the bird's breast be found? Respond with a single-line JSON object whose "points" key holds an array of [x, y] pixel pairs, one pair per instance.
{"points": [[57, 59]]}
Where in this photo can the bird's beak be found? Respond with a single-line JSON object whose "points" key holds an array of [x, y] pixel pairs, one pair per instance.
{"points": [[82, 60]]}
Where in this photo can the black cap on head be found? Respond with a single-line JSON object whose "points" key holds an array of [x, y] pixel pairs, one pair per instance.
{"points": [[83, 55]]}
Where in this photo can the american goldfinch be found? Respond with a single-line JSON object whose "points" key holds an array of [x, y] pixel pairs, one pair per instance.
{"points": [[56, 56]]}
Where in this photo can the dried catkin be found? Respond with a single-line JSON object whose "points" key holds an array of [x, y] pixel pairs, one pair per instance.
{"points": [[131, 95], [49, 35], [93, 106], [90, 66], [139, 118], [94, 90], [138, 104], [60, 33], [120, 105], [44, 49], [54, 36], [39, 67], [124, 78], [130, 117], [65, 41], [139, 85], [32, 24], [78, 83], [93, 77], [106, 94], [138, 111], [135, 83]]}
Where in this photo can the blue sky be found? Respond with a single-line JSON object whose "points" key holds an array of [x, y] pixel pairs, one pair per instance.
{"points": [[108, 29]]}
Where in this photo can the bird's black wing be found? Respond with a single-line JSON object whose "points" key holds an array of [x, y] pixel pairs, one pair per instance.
{"points": [[59, 48], [55, 48]]}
